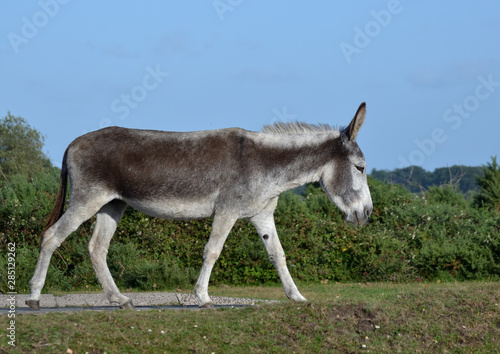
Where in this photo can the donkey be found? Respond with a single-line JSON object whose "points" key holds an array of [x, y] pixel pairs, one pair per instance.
{"points": [[225, 174]]}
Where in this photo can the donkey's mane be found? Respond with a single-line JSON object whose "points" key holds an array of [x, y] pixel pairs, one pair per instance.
{"points": [[299, 128]]}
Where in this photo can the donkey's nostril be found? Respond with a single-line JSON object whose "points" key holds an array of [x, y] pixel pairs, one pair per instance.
{"points": [[368, 212]]}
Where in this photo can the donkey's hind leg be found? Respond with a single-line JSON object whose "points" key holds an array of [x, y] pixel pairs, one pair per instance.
{"points": [[74, 216], [106, 222]]}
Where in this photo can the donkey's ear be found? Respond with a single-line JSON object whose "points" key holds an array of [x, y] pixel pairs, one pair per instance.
{"points": [[351, 132]]}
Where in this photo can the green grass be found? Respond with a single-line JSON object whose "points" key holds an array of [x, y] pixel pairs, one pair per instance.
{"points": [[382, 317]]}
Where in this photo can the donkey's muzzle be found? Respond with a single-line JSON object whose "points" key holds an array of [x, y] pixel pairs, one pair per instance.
{"points": [[360, 217]]}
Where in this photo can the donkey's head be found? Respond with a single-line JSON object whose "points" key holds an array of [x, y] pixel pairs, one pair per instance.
{"points": [[344, 178]]}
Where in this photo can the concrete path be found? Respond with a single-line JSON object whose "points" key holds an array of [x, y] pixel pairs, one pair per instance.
{"points": [[142, 301]]}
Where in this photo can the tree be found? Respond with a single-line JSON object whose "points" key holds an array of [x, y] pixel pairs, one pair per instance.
{"points": [[489, 186], [416, 179], [20, 148]]}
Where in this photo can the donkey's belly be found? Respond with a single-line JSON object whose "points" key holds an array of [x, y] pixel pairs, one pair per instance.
{"points": [[175, 208]]}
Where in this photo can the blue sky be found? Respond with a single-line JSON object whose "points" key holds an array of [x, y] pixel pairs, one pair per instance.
{"points": [[428, 70]]}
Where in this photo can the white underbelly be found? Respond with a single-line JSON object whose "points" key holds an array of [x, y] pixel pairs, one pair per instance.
{"points": [[175, 208]]}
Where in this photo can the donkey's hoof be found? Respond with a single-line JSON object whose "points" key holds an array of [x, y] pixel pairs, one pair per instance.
{"points": [[34, 304], [208, 305], [128, 305]]}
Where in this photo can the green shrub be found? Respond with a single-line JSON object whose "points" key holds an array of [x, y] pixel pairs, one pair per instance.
{"points": [[445, 195], [131, 270], [410, 237], [489, 184], [25, 203]]}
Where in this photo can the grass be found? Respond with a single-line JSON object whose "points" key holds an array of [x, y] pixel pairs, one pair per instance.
{"points": [[377, 317]]}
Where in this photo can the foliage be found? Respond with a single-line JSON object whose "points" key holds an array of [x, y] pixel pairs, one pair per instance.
{"points": [[489, 184], [436, 235], [20, 148], [24, 204], [446, 195], [416, 179]]}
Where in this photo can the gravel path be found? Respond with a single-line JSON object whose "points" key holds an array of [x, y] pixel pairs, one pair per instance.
{"points": [[98, 302]]}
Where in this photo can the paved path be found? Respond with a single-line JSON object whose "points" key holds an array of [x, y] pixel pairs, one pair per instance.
{"points": [[98, 302]]}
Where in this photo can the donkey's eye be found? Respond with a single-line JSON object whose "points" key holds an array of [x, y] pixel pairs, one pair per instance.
{"points": [[360, 169]]}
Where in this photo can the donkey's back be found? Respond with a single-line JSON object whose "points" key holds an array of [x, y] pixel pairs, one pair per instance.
{"points": [[165, 174]]}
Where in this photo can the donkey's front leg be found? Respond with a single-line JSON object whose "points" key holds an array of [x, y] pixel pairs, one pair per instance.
{"points": [[264, 223], [221, 226]]}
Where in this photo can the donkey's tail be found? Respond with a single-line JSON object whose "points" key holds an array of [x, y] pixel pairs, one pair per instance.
{"points": [[58, 210]]}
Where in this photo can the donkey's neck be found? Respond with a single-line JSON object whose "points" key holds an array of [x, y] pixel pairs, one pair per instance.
{"points": [[297, 181], [292, 161]]}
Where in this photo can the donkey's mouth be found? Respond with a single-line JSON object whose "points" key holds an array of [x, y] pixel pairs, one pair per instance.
{"points": [[354, 219], [359, 218]]}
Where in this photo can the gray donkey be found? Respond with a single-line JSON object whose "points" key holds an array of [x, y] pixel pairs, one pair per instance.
{"points": [[225, 174]]}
